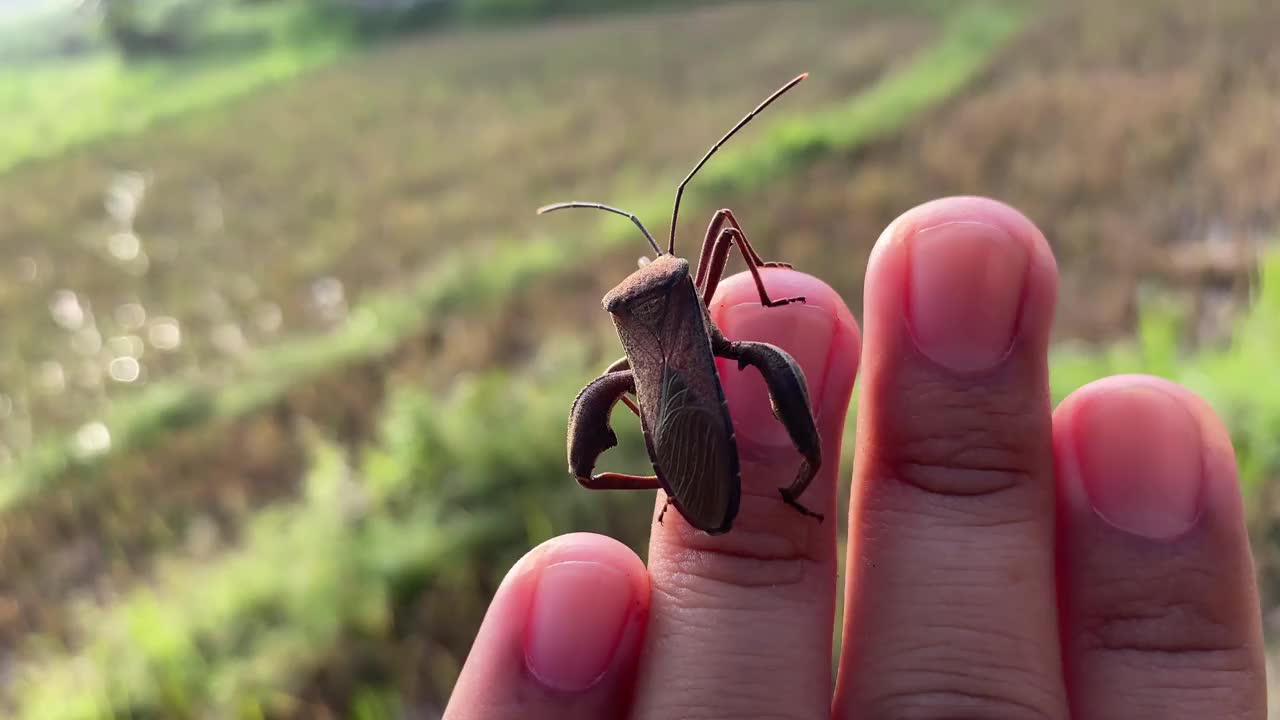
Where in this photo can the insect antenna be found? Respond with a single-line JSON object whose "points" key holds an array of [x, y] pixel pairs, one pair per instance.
{"points": [[597, 206], [675, 212]]}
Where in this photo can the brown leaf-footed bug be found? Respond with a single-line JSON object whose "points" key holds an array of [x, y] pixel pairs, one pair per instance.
{"points": [[671, 343]]}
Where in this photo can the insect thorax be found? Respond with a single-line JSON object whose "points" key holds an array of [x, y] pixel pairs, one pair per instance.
{"points": [[655, 279]]}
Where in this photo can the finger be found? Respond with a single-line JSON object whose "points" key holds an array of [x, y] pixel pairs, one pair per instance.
{"points": [[561, 638], [741, 623], [1160, 608], [950, 590]]}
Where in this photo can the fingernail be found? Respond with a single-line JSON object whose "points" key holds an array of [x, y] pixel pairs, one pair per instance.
{"points": [[803, 331], [965, 293], [575, 624], [1140, 461]]}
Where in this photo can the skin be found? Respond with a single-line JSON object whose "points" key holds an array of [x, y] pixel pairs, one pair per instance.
{"points": [[1006, 559]]}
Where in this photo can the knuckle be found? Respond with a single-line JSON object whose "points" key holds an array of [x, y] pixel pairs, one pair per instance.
{"points": [[1169, 634], [1174, 626], [960, 476], [968, 443], [771, 545], [967, 668], [950, 703], [735, 564], [1166, 608], [969, 465], [1175, 658]]}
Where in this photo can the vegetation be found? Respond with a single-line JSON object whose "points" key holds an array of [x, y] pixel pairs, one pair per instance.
{"points": [[304, 511], [455, 278], [73, 83], [94, 94], [429, 509], [436, 497]]}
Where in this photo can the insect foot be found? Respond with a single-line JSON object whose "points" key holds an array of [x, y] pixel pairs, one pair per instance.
{"points": [[664, 511], [791, 494], [788, 499], [784, 301]]}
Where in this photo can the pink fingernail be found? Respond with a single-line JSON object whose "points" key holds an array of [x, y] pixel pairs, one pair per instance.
{"points": [[1140, 461], [579, 612], [966, 284]]}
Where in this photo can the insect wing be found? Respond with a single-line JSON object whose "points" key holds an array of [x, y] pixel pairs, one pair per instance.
{"points": [[695, 454]]}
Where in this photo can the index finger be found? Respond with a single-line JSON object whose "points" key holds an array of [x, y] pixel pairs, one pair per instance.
{"points": [[741, 623]]}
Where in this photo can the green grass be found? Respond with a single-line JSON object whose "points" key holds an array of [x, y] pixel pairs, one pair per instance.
{"points": [[59, 104], [53, 103], [969, 36], [442, 492]]}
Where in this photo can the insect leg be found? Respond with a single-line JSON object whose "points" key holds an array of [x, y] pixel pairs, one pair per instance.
{"points": [[590, 434], [789, 398], [664, 509], [709, 243], [620, 481], [719, 257], [623, 363], [718, 221]]}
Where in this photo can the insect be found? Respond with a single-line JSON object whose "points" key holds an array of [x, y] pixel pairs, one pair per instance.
{"points": [[671, 342]]}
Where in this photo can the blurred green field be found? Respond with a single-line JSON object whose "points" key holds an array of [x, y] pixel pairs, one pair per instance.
{"points": [[65, 102], [254, 352]]}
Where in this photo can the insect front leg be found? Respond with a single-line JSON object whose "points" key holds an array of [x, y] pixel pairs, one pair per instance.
{"points": [[722, 217], [718, 257], [789, 398], [590, 434]]}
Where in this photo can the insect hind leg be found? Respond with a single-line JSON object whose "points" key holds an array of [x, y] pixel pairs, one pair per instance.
{"points": [[789, 398]]}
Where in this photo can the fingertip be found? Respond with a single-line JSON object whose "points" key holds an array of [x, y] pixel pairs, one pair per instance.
{"points": [[740, 289], [889, 268], [594, 548], [1146, 442], [967, 208], [820, 333], [562, 635], [590, 593]]}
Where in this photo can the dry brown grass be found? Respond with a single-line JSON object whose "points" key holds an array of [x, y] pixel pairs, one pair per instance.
{"points": [[1140, 140]]}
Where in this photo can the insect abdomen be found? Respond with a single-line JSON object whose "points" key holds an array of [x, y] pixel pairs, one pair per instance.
{"points": [[696, 454]]}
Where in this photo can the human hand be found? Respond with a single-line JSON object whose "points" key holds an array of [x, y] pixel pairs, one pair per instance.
{"points": [[979, 582]]}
